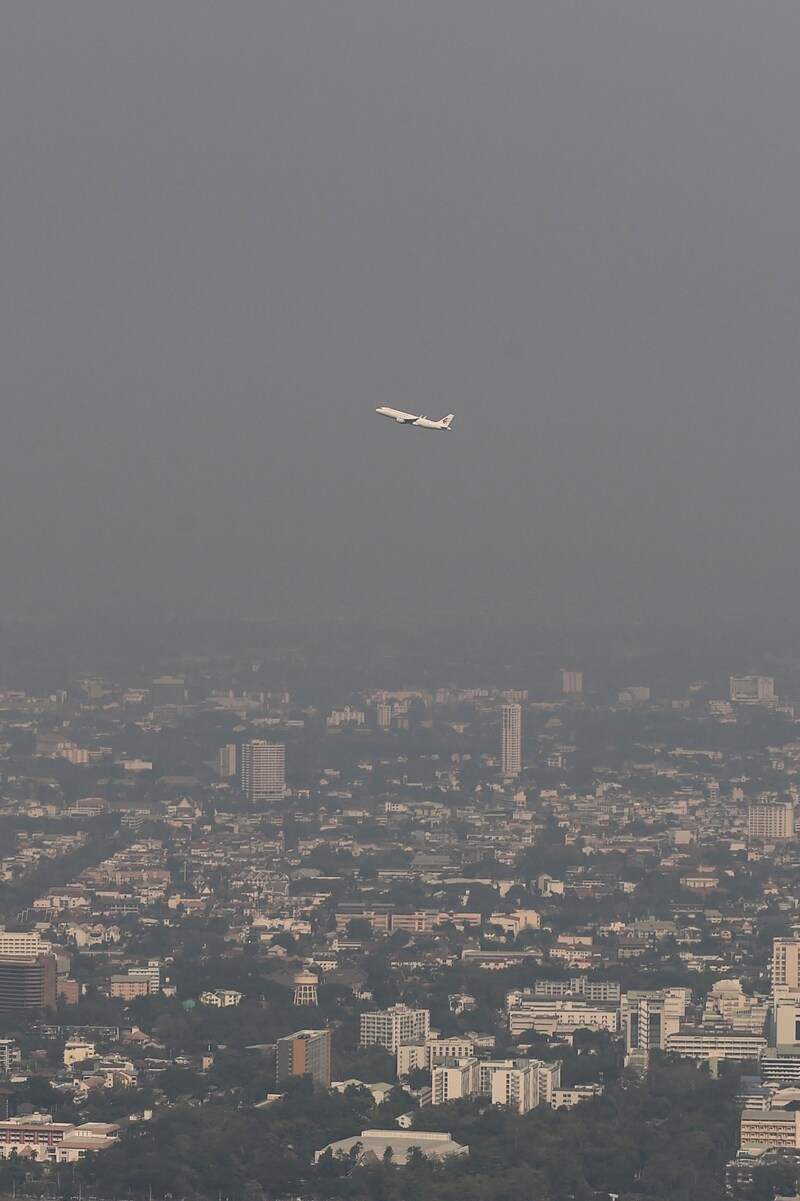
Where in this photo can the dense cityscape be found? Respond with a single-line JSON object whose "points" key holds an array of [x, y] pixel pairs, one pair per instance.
{"points": [[410, 941]]}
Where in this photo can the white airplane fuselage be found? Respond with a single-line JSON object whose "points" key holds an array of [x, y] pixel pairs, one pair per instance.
{"points": [[421, 422]]}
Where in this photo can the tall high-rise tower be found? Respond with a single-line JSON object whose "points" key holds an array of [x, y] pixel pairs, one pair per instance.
{"points": [[511, 750], [263, 770]]}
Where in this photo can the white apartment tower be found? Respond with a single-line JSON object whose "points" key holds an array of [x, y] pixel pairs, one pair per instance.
{"points": [[392, 1027], [511, 749], [263, 770], [772, 821]]}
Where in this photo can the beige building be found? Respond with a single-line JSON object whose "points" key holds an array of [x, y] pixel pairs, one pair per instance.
{"points": [[785, 969], [511, 745], [771, 1128], [76, 1051]]}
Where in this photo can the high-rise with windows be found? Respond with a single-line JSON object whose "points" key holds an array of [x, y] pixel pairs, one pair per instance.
{"points": [[392, 1027], [226, 761], [771, 820], [511, 748], [263, 770], [305, 1053], [785, 968]]}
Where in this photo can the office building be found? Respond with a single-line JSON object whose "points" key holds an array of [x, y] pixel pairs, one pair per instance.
{"points": [[771, 820], [648, 1018], [786, 1017], [28, 982], [778, 1128], [306, 1053], [15, 944], [753, 690], [392, 1027], [706, 1043], [226, 761], [263, 770], [785, 968], [511, 748]]}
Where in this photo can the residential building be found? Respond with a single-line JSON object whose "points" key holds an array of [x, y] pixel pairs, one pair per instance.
{"points": [[9, 1055], [511, 746], [391, 1027], [306, 1053], [128, 988], [226, 761], [263, 768], [516, 1087], [76, 1050], [771, 820], [454, 1081]]}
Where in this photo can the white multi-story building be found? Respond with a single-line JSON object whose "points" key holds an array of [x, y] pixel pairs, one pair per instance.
{"points": [[263, 770], [544, 1014], [702, 1044], [516, 1087], [753, 690], [771, 820], [9, 1054], [341, 717], [433, 1051], [454, 1081], [511, 747], [392, 1027], [648, 1018]]}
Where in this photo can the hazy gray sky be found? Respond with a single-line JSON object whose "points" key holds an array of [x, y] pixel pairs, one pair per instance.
{"points": [[230, 230]]}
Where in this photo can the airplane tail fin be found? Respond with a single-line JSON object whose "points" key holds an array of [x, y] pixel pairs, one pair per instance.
{"points": [[446, 420]]}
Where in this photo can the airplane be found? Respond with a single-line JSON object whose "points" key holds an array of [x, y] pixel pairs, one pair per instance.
{"points": [[424, 423]]}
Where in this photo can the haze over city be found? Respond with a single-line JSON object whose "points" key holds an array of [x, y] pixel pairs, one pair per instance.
{"points": [[230, 232]]}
